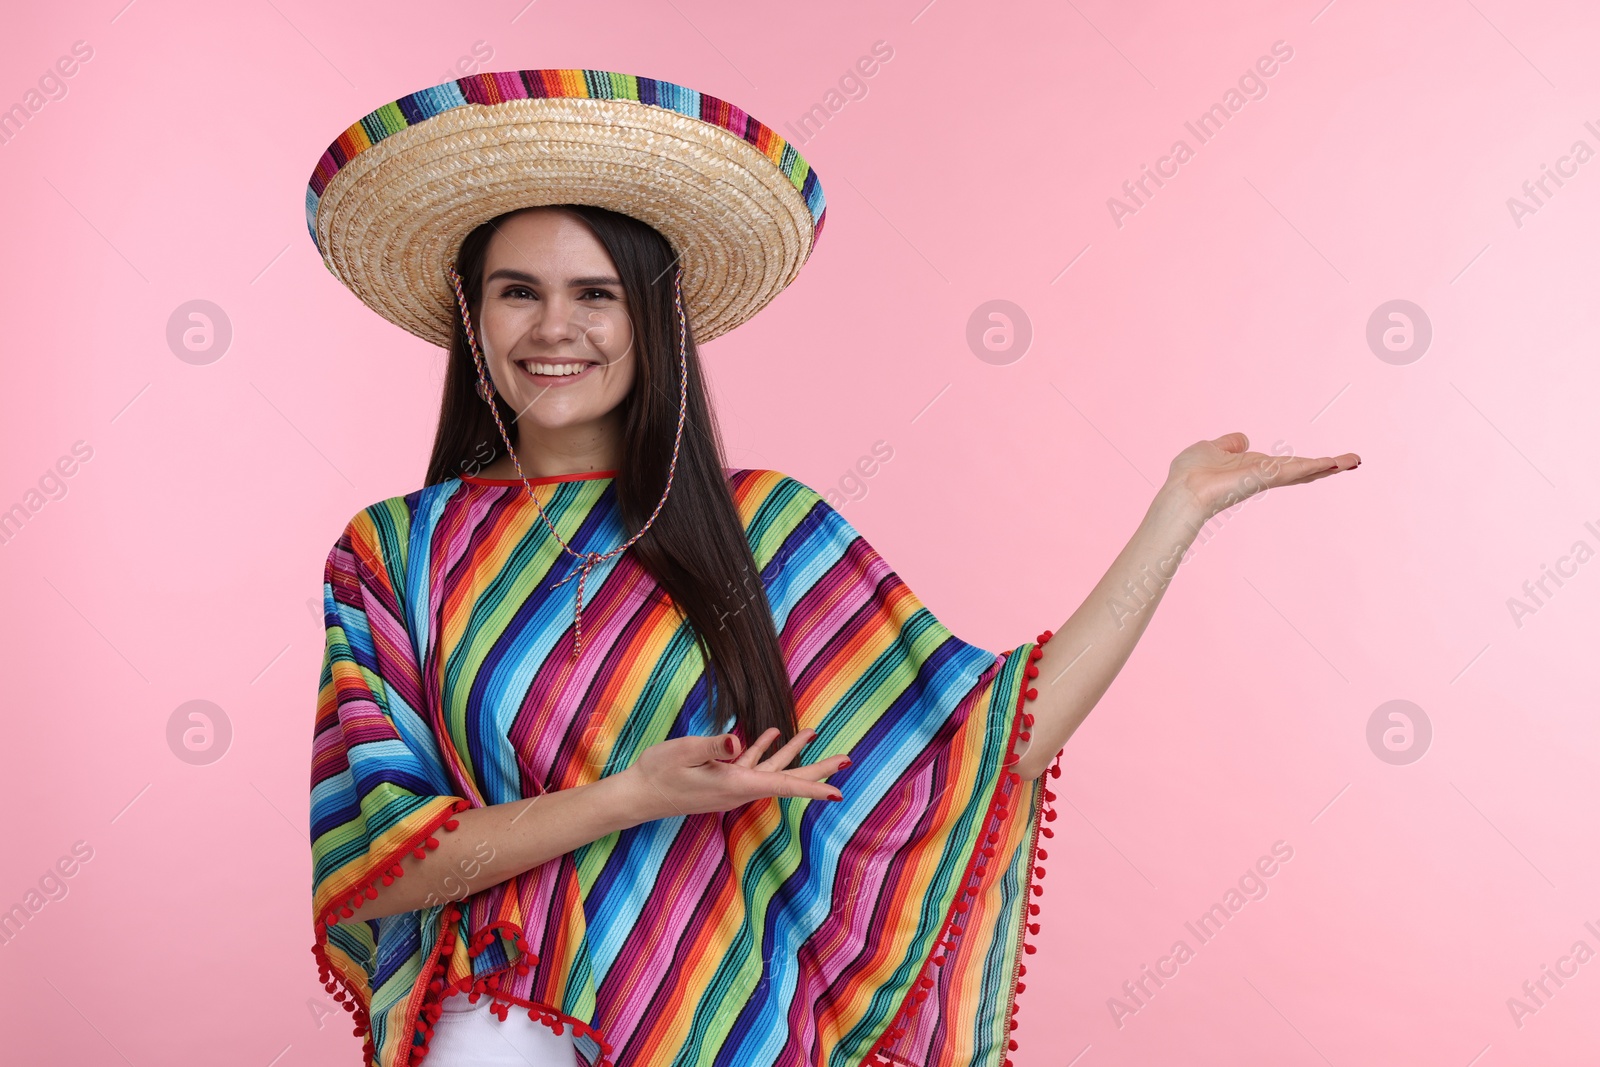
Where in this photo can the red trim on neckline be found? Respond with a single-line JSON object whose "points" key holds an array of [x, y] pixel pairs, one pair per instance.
{"points": [[473, 479]]}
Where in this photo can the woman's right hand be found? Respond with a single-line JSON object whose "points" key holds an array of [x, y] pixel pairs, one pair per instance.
{"points": [[695, 775]]}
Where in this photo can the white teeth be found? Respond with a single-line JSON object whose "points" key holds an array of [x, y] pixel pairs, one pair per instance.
{"points": [[555, 369]]}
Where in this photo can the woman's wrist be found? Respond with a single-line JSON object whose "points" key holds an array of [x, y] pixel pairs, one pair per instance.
{"points": [[1176, 514], [631, 799]]}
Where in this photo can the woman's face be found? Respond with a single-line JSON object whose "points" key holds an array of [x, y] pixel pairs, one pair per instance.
{"points": [[555, 332]]}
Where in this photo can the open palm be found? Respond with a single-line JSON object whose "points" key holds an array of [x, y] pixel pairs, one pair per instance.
{"points": [[1220, 473]]}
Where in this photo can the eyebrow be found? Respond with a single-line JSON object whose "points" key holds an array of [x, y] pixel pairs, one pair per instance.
{"points": [[533, 279]]}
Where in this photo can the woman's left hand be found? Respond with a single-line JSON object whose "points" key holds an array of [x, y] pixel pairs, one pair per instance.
{"points": [[1212, 476]]}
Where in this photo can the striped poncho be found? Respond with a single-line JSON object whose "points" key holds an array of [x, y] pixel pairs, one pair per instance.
{"points": [[886, 929]]}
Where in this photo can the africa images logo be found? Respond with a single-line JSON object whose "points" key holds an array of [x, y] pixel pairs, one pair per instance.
{"points": [[1251, 885], [1252, 85]]}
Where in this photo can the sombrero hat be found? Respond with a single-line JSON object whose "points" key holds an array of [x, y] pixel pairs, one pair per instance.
{"points": [[394, 195]]}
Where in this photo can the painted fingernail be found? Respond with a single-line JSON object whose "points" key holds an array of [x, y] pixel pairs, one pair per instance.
{"points": [[729, 744], [844, 763], [837, 796]]}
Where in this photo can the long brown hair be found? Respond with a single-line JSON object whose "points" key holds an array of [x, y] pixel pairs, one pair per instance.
{"points": [[696, 549]]}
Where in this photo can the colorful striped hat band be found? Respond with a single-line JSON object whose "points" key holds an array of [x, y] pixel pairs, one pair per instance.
{"points": [[586, 560], [393, 196]]}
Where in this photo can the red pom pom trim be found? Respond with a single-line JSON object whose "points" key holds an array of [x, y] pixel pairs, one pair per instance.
{"points": [[883, 1053], [475, 986], [344, 991]]}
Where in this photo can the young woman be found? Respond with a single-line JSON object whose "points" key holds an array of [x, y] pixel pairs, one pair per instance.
{"points": [[623, 756]]}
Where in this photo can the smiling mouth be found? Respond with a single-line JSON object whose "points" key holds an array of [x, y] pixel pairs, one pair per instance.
{"points": [[556, 372]]}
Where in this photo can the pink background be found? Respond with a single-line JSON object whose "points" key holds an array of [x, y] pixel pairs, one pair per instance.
{"points": [[178, 564]]}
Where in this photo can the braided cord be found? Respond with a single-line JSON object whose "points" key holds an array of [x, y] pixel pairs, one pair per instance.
{"points": [[586, 560]]}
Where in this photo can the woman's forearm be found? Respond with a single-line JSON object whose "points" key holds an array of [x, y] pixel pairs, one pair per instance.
{"points": [[1085, 654], [494, 843]]}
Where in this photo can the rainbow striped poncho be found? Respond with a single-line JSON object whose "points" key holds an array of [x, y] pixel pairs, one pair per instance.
{"points": [[886, 929]]}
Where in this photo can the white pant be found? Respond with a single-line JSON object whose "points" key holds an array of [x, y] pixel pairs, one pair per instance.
{"points": [[469, 1035]]}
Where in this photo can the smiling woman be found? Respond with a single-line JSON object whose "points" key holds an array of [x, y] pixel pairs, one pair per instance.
{"points": [[650, 878], [635, 752]]}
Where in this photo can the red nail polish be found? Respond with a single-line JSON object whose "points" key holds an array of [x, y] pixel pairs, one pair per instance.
{"points": [[837, 796], [845, 764], [729, 745]]}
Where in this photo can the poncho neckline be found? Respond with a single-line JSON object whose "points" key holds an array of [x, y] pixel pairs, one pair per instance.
{"points": [[549, 479]]}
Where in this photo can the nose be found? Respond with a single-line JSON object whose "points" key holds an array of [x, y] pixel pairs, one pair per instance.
{"points": [[555, 324]]}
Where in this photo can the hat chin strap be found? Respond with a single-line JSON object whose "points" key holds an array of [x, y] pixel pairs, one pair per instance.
{"points": [[586, 560]]}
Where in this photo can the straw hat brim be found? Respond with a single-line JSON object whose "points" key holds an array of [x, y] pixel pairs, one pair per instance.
{"points": [[392, 215]]}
